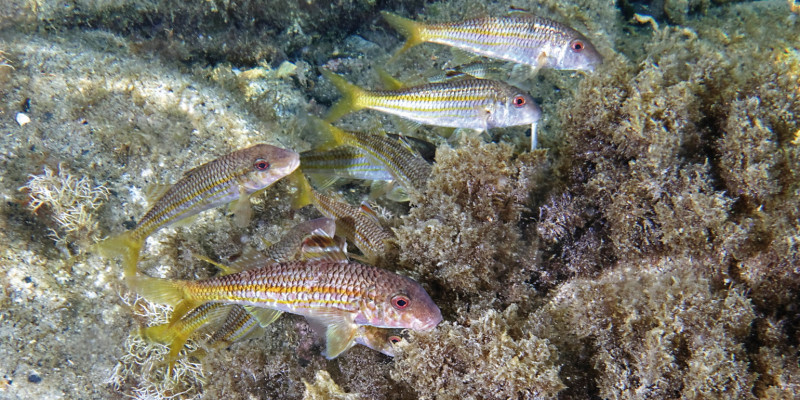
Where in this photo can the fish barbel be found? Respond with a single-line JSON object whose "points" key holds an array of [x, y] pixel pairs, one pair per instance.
{"points": [[524, 39], [479, 104], [337, 295], [233, 177]]}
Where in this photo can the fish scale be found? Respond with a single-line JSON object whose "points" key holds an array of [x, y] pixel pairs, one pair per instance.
{"points": [[232, 177], [478, 104], [290, 287], [340, 295], [200, 189], [238, 324], [524, 39], [365, 232], [393, 154]]}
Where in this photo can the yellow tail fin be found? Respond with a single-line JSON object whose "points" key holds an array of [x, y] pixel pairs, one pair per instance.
{"points": [[334, 137], [350, 96], [167, 334], [408, 28], [304, 194], [163, 333], [161, 291], [125, 245]]}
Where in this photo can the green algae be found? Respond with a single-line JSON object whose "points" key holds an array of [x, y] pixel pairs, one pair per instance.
{"points": [[651, 251]]}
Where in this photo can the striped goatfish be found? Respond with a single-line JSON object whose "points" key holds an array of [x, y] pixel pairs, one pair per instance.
{"points": [[479, 104], [405, 165], [339, 296], [241, 321], [360, 225], [524, 39], [230, 178], [342, 162]]}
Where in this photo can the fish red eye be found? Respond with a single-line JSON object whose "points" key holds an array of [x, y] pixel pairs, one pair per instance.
{"points": [[395, 339], [261, 165], [519, 101], [400, 302], [577, 46]]}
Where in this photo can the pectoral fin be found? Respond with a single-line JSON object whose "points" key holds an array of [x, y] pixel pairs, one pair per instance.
{"points": [[242, 210], [340, 331], [264, 316]]}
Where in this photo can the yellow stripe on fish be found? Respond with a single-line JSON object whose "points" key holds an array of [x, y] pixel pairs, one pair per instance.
{"points": [[341, 296], [479, 104], [524, 39], [400, 160], [233, 177]]}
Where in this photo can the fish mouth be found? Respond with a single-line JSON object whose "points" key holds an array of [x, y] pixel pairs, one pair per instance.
{"points": [[429, 323], [294, 162], [291, 162]]}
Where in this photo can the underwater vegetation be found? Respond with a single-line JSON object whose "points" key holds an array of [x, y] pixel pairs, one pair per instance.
{"points": [[647, 249]]}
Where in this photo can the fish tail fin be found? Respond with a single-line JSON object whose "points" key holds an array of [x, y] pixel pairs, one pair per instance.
{"points": [[125, 245], [170, 335], [410, 29], [334, 136], [303, 196], [389, 81], [164, 333], [161, 291], [350, 97]]}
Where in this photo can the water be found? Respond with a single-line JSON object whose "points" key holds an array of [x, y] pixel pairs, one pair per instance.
{"points": [[649, 251]]}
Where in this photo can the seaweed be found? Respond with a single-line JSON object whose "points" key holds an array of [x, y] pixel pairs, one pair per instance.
{"points": [[681, 335], [487, 357], [465, 235]]}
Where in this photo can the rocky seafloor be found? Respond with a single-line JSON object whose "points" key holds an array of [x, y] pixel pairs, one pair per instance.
{"points": [[651, 251]]}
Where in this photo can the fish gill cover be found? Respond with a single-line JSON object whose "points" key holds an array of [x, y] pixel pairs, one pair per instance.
{"points": [[649, 249]]}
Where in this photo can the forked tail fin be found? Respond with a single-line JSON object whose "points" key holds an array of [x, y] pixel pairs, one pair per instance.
{"points": [[350, 96]]}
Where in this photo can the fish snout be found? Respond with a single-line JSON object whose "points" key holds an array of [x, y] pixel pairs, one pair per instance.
{"points": [[429, 321]]}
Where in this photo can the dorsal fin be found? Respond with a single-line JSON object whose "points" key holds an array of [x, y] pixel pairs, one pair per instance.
{"points": [[519, 11], [323, 248], [461, 57], [154, 191]]}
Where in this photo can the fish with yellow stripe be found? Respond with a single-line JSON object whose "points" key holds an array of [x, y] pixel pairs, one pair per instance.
{"points": [[521, 38], [360, 225], [234, 177], [338, 296], [342, 162], [478, 104], [399, 159]]}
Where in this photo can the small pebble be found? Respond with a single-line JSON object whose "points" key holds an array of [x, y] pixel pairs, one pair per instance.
{"points": [[23, 119], [33, 378]]}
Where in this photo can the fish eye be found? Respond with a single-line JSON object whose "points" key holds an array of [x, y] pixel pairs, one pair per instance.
{"points": [[400, 302], [261, 164], [519, 101], [577, 46], [394, 339]]}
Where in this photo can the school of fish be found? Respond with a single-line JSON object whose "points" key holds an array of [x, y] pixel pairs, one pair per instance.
{"points": [[309, 272]]}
